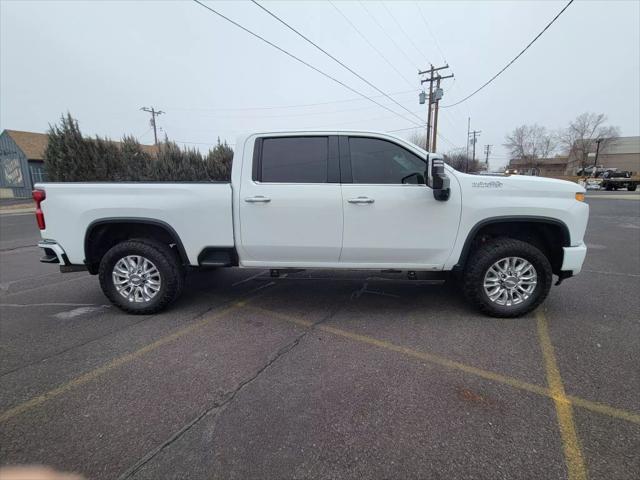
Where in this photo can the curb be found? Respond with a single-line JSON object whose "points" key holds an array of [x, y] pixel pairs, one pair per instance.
{"points": [[16, 211], [613, 197]]}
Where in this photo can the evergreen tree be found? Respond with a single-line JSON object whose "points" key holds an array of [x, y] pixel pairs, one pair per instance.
{"points": [[70, 157], [219, 161], [137, 164], [67, 157]]}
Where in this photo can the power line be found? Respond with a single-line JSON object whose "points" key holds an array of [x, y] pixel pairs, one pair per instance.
{"points": [[401, 28], [369, 43], [426, 24], [446, 140], [308, 40], [512, 61], [405, 129], [300, 105], [385, 32], [214, 114], [141, 136], [324, 126], [422, 126], [291, 55]]}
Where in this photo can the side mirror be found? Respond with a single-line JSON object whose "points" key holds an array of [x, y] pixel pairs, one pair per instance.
{"points": [[438, 179]]}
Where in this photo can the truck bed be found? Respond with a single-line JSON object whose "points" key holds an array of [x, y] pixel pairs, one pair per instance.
{"points": [[200, 213]]}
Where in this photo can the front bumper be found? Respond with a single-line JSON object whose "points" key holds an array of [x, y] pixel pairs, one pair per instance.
{"points": [[574, 258]]}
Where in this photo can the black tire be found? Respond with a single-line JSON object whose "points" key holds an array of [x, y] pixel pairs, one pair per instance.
{"points": [[485, 256], [165, 260], [632, 188], [608, 188]]}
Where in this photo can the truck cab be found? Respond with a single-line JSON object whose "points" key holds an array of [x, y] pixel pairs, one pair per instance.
{"points": [[340, 201]]}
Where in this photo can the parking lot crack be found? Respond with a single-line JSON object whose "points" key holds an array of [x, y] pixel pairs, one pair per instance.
{"points": [[218, 407]]}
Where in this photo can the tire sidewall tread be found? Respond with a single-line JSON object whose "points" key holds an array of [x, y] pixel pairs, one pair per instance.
{"points": [[485, 256], [171, 272]]}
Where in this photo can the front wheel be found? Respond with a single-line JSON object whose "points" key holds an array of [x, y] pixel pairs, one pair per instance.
{"points": [[507, 277], [141, 276], [632, 188]]}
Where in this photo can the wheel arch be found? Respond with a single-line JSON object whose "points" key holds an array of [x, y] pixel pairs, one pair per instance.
{"points": [[551, 233], [102, 234]]}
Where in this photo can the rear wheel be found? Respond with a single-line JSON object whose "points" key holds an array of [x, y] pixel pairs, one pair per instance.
{"points": [[141, 276], [632, 188], [507, 277]]}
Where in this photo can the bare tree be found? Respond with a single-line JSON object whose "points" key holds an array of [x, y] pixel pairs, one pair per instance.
{"points": [[530, 143], [418, 138], [455, 158], [459, 160], [579, 138]]}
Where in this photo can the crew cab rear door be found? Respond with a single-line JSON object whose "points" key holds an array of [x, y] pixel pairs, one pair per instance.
{"points": [[391, 218], [290, 202]]}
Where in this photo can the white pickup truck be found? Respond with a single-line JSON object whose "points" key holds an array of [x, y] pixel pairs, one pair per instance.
{"points": [[318, 199]]}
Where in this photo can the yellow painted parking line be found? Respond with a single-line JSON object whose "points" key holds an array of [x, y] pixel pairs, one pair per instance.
{"points": [[113, 364], [604, 409], [428, 357], [454, 365], [564, 411]]}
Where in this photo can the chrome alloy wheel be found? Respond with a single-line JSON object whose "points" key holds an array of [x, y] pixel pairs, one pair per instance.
{"points": [[136, 278], [510, 281]]}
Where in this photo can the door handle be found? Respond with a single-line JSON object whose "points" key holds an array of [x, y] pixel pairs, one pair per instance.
{"points": [[361, 200], [257, 199]]}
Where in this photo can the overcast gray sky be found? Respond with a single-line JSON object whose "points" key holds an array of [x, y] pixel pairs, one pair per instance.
{"points": [[103, 60]]}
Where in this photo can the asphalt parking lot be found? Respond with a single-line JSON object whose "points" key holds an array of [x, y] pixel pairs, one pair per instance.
{"points": [[324, 374]]}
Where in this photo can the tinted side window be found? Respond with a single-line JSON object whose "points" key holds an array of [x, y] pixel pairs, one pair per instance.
{"points": [[379, 161], [295, 159]]}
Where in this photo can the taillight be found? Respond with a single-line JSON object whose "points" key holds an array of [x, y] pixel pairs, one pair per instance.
{"points": [[39, 196]]}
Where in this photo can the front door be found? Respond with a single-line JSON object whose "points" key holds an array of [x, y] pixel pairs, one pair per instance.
{"points": [[291, 208], [390, 216]]}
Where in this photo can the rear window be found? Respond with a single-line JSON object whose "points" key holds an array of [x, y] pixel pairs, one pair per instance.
{"points": [[294, 159]]}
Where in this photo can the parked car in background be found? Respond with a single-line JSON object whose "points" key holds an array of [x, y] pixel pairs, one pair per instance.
{"points": [[614, 180]]}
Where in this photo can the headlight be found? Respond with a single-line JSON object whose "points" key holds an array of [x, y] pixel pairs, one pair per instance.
{"points": [[580, 196]]}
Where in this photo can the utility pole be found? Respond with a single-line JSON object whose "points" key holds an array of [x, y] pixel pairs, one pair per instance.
{"points": [[468, 132], [595, 162], [154, 113], [430, 102], [434, 98], [474, 133], [487, 151], [435, 114]]}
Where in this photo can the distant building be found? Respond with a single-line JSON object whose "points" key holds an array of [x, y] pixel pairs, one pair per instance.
{"points": [[543, 167], [22, 162], [623, 153]]}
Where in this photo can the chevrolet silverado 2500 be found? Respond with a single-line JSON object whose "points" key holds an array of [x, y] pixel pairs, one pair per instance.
{"points": [[318, 199]]}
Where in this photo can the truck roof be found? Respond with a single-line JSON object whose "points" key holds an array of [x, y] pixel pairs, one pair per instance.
{"points": [[326, 131]]}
